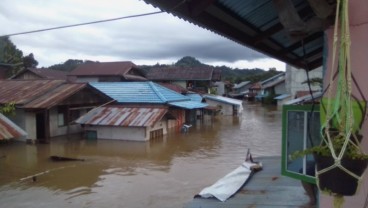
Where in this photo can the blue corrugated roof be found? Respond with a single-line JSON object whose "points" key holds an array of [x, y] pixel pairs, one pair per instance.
{"points": [[189, 104], [224, 99], [195, 97], [138, 92]]}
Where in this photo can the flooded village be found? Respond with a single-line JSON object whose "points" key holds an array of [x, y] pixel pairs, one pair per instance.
{"points": [[189, 134], [136, 140]]}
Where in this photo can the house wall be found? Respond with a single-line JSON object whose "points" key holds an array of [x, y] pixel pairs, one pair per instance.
{"points": [[180, 83], [358, 15], [56, 130], [179, 114], [226, 109], [280, 89], [119, 133], [294, 78], [159, 125], [26, 121], [27, 75], [220, 88]]}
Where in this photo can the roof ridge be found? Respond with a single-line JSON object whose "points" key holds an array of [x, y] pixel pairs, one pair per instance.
{"points": [[158, 93]]}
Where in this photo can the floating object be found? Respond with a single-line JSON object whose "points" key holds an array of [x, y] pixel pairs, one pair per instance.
{"points": [[185, 128], [232, 182], [60, 158]]}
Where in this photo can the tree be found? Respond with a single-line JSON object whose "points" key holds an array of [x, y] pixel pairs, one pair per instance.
{"points": [[188, 61], [11, 56], [29, 61]]}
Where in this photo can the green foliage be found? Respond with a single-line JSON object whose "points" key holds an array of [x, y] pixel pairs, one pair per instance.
{"points": [[188, 61], [352, 151], [68, 65], [8, 109], [11, 55]]}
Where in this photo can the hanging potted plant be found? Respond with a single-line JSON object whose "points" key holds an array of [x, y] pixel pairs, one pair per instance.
{"points": [[340, 160]]}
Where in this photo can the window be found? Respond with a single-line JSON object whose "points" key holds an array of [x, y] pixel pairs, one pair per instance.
{"points": [[300, 130]]}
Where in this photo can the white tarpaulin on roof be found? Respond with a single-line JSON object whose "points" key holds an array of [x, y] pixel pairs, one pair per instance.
{"points": [[231, 183]]}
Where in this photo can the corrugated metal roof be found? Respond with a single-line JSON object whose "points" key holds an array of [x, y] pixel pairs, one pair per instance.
{"points": [[123, 116], [55, 96], [174, 87], [189, 104], [280, 97], [38, 93], [183, 73], [274, 83], [195, 97], [256, 24], [9, 130], [224, 99], [138, 92], [23, 91], [103, 68], [242, 84], [43, 73]]}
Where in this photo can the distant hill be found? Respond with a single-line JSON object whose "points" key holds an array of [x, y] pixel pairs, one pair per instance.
{"points": [[233, 75], [228, 74]]}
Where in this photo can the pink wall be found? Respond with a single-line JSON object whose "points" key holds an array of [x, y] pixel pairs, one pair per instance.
{"points": [[358, 11]]}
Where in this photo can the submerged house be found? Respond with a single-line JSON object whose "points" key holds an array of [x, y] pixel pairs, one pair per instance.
{"points": [[197, 79], [272, 87], [125, 123], [121, 71], [227, 106], [47, 108], [240, 90], [143, 110]]}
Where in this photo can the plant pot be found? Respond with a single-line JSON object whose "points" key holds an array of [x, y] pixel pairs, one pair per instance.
{"points": [[336, 180]]}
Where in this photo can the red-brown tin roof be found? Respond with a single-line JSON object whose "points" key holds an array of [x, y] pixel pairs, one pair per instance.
{"points": [[103, 68], [183, 73], [123, 116], [8, 130]]}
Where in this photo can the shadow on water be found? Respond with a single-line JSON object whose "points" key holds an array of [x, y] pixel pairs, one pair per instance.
{"points": [[164, 172]]}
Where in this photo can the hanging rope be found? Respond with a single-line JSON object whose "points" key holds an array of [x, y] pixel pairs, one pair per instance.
{"points": [[339, 110]]}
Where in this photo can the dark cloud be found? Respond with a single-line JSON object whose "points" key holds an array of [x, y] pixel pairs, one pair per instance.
{"points": [[150, 38]]}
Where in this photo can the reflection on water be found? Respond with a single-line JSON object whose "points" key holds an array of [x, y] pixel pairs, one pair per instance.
{"points": [[166, 172]]}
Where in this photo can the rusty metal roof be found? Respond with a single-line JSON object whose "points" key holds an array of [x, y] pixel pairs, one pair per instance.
{"points": [[172, 73], [103, 68], [56, 95], [8, 130], [38, 93], [43, 73], [23, 91], [123, 116]]}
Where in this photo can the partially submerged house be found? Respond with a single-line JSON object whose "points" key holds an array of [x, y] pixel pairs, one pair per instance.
{"points": [[272, 87], [240, 90], [197, 79], [39, 73], [125, 123], [106, 72], [148, 100], [226, 106], [9, 130], [47, 108]]}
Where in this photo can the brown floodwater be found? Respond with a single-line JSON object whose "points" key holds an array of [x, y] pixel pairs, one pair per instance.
{"points": [[166, 172]]}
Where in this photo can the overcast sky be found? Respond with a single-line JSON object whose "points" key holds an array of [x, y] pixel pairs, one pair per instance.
{"points": [[160, 38]]}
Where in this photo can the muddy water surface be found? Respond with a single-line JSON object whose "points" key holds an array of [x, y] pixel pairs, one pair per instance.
{"points": [[162, 173]]}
